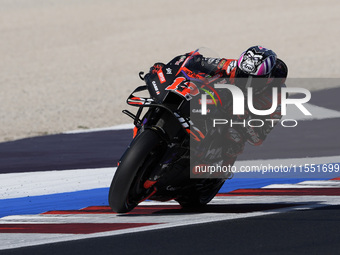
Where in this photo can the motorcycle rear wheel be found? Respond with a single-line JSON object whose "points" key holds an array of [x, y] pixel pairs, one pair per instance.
{"points": [[203, 197], [127, 189]]}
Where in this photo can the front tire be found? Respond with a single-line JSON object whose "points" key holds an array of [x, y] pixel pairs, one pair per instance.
{"points": [[127, 189]]}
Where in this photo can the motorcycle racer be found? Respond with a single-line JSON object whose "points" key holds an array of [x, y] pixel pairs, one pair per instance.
{"points": [[176, 141], [258, 68]]}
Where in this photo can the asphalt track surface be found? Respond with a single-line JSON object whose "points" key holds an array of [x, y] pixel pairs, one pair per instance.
{"points": [[304, 230], [299, 232]]}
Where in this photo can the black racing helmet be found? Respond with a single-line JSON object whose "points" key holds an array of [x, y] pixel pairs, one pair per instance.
{"points": [[254, 68]]}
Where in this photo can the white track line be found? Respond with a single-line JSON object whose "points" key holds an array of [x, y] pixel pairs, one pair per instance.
{"points": [[306, 184], [118, 127], [17, 185]]}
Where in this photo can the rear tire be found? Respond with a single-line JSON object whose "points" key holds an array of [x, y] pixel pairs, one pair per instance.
{"points": [[127, 189], [203, 197], [207, 191]]}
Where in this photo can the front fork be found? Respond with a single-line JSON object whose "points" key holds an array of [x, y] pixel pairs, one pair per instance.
{"points": [[176, 140]]}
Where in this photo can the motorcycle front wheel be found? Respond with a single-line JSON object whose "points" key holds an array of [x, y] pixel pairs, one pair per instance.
{"points": [[127, 187]]}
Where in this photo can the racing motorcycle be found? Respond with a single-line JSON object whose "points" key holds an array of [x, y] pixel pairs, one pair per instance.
{"points": [[157, 165]]}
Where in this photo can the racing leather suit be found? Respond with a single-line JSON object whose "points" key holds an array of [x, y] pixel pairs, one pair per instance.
{"points": [[225, 69]]}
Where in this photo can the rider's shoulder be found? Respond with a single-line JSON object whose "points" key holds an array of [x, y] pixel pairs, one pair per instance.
{"points": [[280, 69]]}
